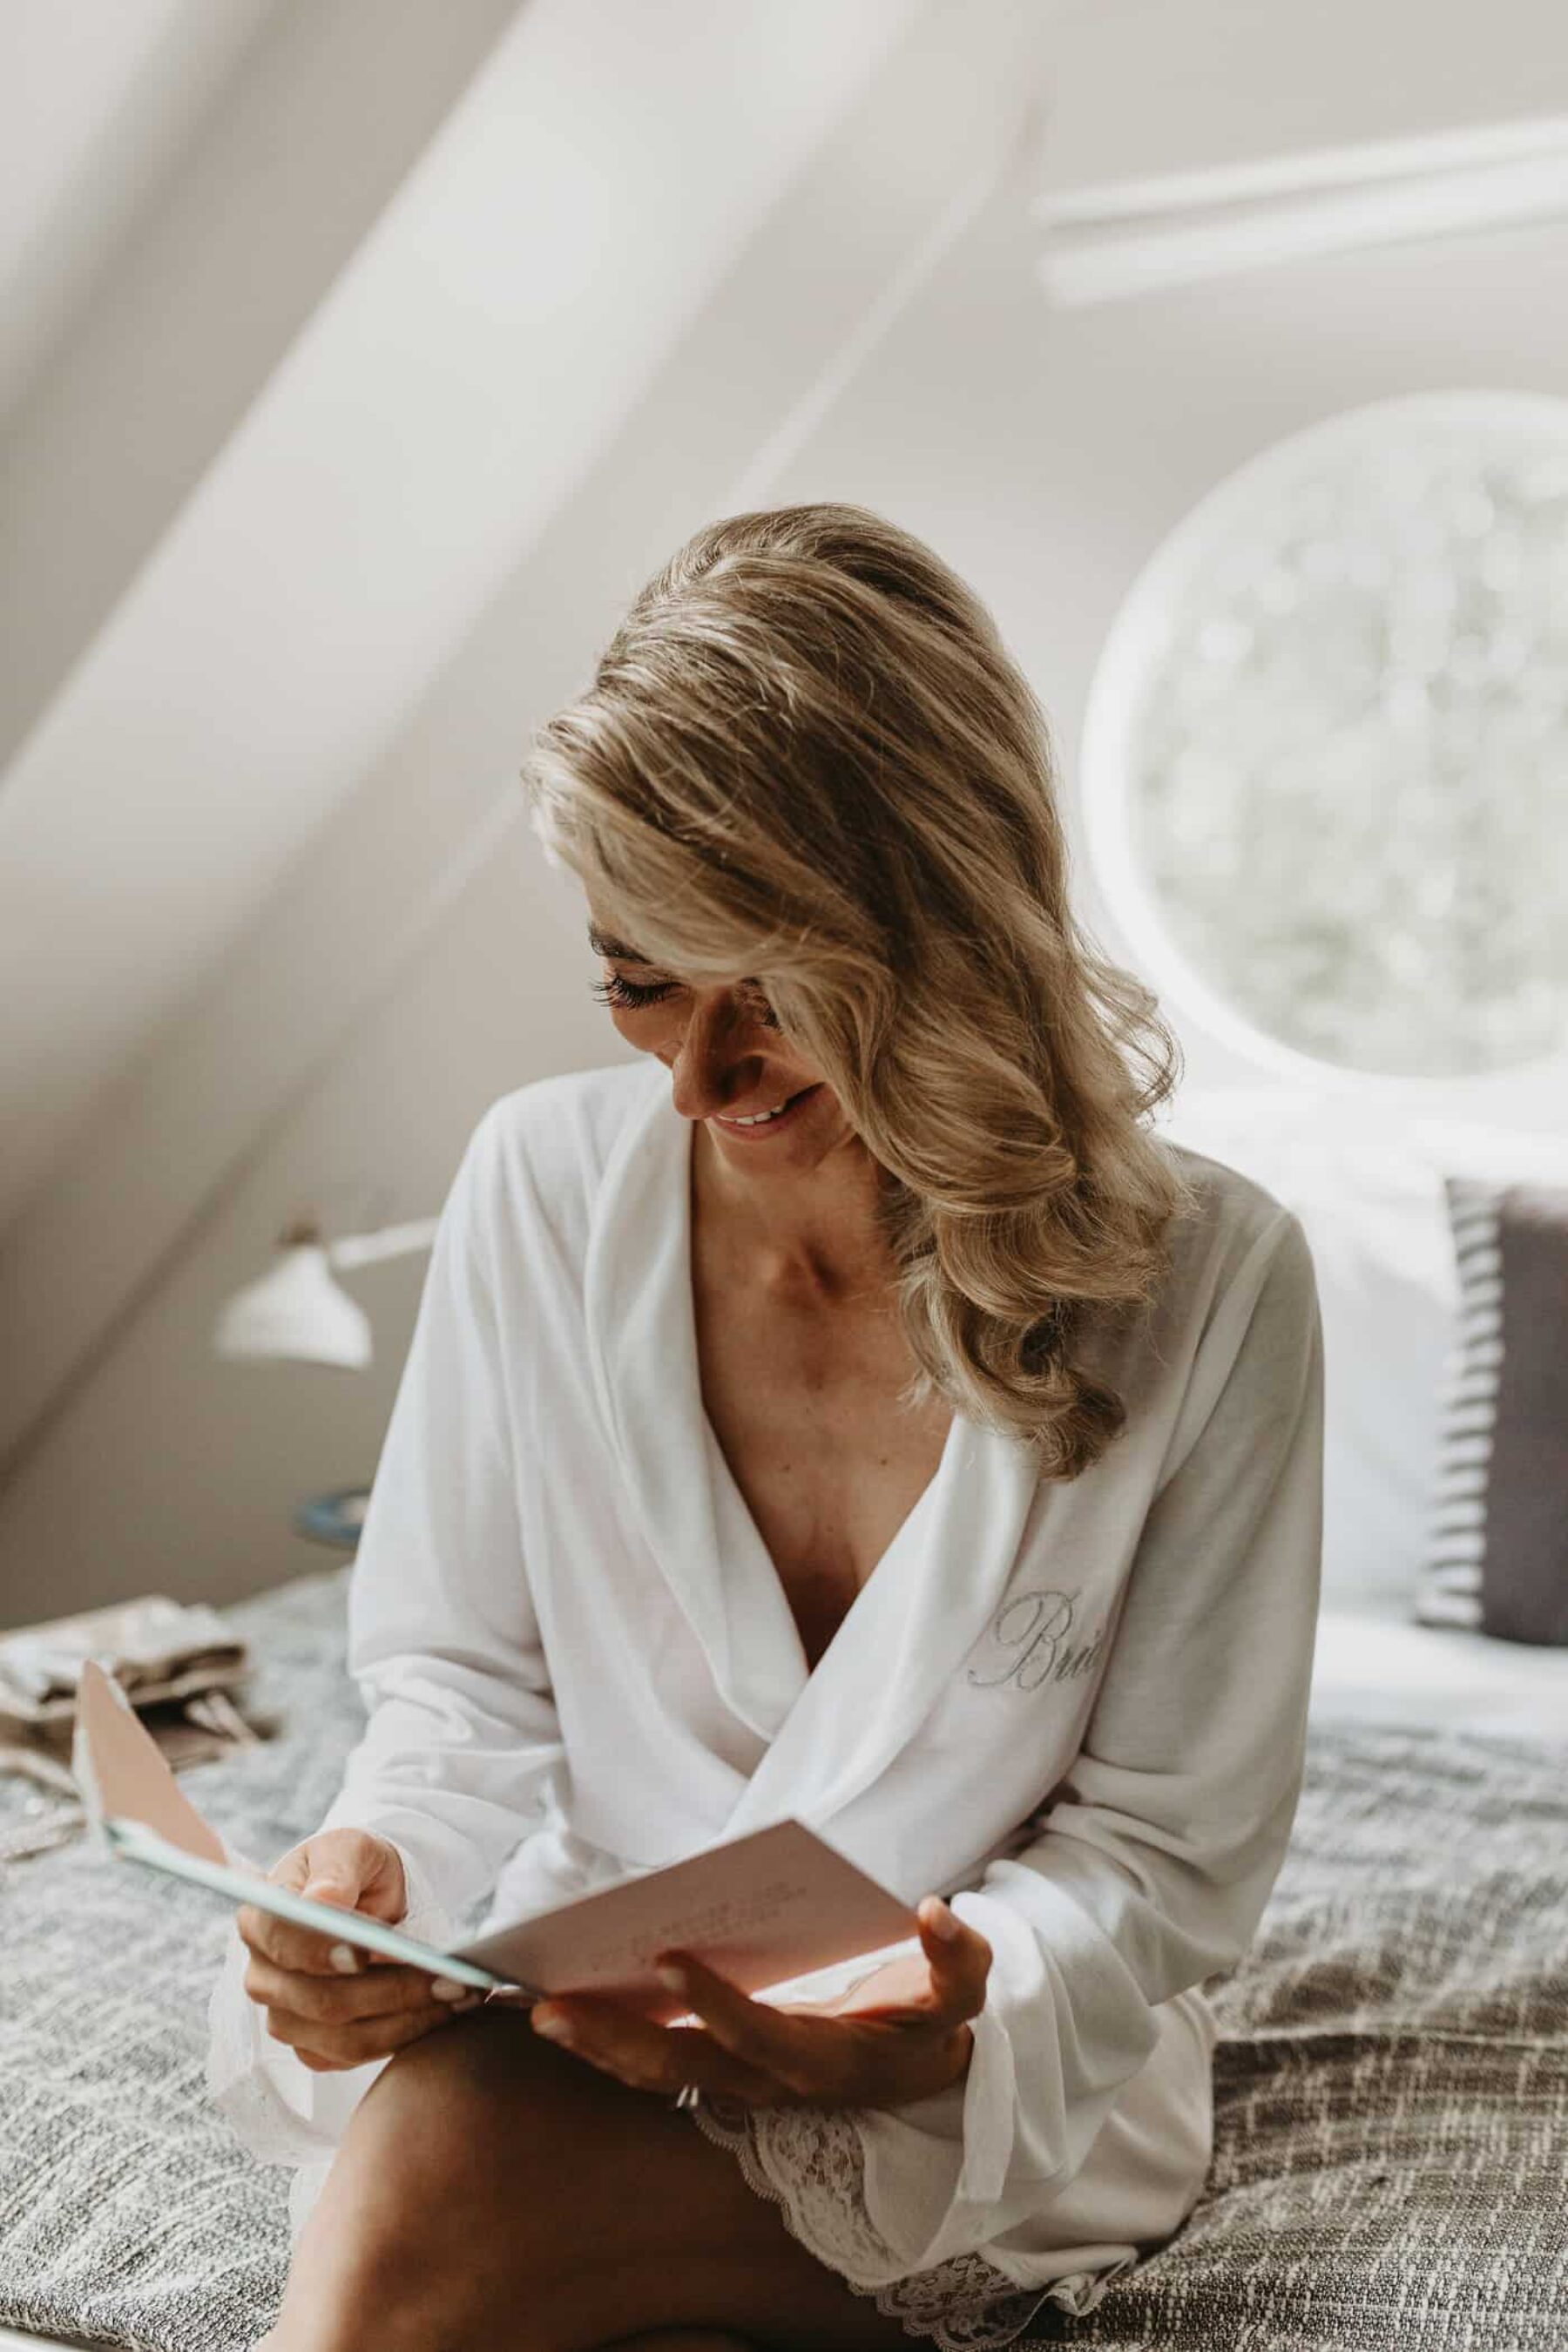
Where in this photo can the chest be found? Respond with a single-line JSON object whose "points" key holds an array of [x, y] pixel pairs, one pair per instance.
{"points": [[804, 1404]]}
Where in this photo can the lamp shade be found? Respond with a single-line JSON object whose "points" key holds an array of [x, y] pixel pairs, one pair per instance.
{"points": [[296, 1311]]}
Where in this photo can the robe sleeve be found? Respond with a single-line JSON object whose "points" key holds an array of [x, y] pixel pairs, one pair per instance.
{"points": [[461, 1733], [1158, 1852]]}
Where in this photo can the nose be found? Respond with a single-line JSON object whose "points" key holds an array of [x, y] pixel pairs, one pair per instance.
{"points": [[716, 1061]]}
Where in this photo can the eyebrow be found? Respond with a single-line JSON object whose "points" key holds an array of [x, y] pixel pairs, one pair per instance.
{"points": [[619, 951], [602, 945]]}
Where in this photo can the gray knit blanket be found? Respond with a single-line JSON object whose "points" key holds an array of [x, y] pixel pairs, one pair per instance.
{"points": [[1391, 2082]]}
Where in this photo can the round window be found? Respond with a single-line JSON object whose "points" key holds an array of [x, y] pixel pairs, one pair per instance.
{"points": [[1325, 756]]}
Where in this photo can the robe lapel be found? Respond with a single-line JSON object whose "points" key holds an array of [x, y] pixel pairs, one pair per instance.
{"points": [[831, 1732], [642, 1346], [908, 1632]]}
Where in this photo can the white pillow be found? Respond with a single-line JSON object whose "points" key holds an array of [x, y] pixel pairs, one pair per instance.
{"points": [[1372, 1206]]}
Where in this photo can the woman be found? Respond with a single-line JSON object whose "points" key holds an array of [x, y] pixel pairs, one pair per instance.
{"points": [[847, 1409]]}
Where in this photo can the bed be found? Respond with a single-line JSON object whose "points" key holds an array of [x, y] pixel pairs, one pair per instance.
{"points": [[1390, 2081]]}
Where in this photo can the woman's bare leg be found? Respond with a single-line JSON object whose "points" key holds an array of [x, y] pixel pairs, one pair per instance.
{"points": [[493, 2194], [683, 2339]]}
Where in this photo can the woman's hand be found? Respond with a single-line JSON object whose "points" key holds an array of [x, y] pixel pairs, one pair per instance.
{"points": [[899, 2035], [342, 2012]]}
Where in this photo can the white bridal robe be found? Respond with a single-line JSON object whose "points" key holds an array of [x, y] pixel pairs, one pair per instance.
{"points": [[1079, 1708]]}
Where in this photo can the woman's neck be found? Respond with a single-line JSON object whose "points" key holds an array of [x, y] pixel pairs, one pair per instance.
{"points": [[813, 1242]]}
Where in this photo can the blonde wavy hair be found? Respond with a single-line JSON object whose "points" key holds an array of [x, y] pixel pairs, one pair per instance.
{"points": [[807, 757]]}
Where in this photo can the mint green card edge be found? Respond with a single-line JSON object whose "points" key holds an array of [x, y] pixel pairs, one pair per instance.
{"points": [[138, 1844]]}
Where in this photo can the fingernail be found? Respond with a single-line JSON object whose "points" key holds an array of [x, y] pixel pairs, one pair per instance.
{"points": [[341, 1957], [676, 1979], [448, 1989], [944, 1923], [551, 2024]]}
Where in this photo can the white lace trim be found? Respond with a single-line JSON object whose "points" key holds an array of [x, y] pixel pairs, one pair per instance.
{"points": [[810, 2162]]}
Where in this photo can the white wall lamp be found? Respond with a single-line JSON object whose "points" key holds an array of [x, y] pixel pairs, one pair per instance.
{"points": [[298, 1311]]}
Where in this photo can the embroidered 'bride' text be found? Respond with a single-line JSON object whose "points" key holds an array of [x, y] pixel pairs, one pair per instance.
{"points": [[1036, 1625]]}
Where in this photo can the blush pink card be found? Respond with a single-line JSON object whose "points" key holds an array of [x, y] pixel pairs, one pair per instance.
{"points": [[761, 1910], [128, 1774]]}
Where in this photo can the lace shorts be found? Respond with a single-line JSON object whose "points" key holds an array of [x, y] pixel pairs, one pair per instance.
{"points": [[809, 2161]]}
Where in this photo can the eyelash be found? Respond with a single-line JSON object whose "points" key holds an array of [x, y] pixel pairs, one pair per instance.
{"points": [[631, 996], [617, 990]]}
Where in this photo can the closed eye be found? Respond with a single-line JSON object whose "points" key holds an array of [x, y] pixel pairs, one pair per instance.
{"points": [[617, 990], [630, 995]]}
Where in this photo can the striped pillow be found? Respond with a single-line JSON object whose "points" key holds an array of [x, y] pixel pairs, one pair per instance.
{"points": [[1497, 1558]]}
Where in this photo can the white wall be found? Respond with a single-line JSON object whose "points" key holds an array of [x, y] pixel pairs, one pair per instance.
{"points": [[1044, 456], [333, 392], [154, 1469]]}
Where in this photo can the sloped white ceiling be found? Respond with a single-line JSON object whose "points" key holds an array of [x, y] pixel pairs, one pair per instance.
{"points": [[97, 99], [260, 629], [1147, 88]]}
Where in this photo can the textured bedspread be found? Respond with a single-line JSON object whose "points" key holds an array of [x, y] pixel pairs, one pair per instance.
{"points": [[1390, 2083]]}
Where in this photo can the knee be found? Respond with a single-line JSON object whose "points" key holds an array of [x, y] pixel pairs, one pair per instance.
{"points": [[375, 2268], [384, 2256], [422, 2153]]}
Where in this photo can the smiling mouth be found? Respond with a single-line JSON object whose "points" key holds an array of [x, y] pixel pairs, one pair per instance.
{"points": [[768, 1119]]}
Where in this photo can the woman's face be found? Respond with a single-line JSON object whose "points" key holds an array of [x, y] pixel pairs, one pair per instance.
{"points": [[727, 1058]]}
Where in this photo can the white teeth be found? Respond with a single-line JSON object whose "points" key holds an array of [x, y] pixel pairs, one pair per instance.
{"points": [[760, 1120]]}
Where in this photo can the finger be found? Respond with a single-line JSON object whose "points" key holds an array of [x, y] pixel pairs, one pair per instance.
{"points": [[960, 1963], [901, 1989], [304, 1949], [649, 2057], [805, 2054], [361, 2040], [336, 1999]]}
